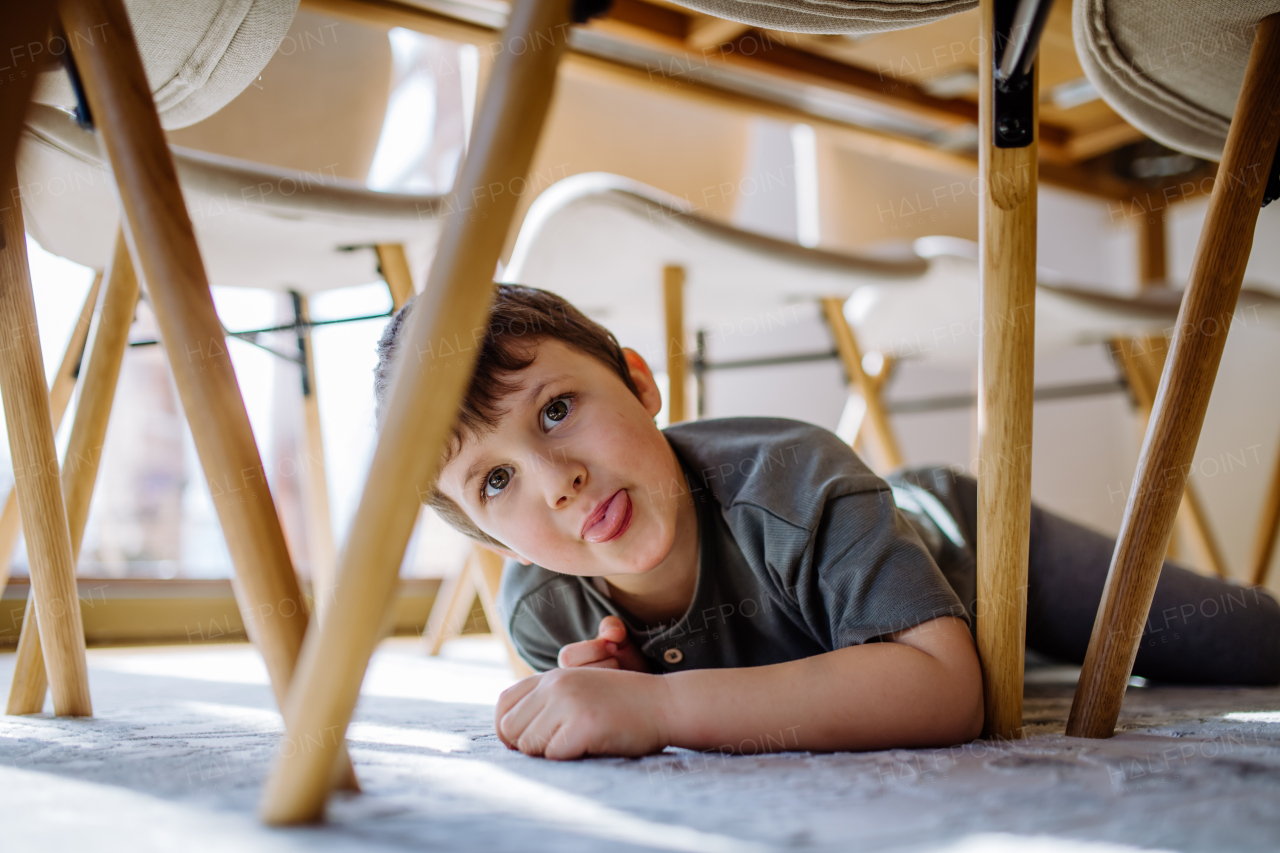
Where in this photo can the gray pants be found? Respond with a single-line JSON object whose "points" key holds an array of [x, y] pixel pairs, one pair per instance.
{"points": [[1201, 630]]}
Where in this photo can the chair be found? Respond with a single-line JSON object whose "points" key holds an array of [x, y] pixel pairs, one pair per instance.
{"points": [[1224, 104], [431, 378]]}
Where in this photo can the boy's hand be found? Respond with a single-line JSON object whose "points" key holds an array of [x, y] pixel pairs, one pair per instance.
{"points": [[571, 713], [611, 649]]}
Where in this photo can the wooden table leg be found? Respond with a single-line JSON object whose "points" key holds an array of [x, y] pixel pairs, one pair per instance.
{"points": [[35, 464], [425, 393], [888, 454], [163, 246], [395, 272], [64, 382], [1185, 387], [677, 353], [84, 452], [1007, 217], [451, 607]]}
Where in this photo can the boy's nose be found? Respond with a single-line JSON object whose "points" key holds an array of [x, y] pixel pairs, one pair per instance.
{"points": [[566, 486]]}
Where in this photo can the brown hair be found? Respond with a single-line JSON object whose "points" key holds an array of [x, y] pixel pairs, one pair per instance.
{"points": [[521, 318]]}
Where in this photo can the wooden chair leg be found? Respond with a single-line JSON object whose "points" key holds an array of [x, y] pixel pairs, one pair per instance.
{"points": [[1264, 545], [64, 382], [1005, 395], [1185, 387], [888, 454], [324, 559], [488, 566], [1143, 360], [24, 24], [395, 271], [164, 248], [451, 608], [677, 354], [84, 452], [424, 399], [35, 464]]}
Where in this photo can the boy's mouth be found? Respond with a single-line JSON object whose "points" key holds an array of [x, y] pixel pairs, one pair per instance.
{"points": [[610, 519]]}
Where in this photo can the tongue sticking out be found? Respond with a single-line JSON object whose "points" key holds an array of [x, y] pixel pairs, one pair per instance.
{"points": [[616, 515]]}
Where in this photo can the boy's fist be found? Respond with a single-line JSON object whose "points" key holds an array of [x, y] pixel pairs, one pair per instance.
{"points": [[611, 649]]}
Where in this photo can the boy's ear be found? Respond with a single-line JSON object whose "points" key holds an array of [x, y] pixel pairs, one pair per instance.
{"points": [[509, 554], [642, 376]]}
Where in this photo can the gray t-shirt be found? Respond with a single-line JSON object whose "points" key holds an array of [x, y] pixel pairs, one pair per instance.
{"points": [[801, 551]]}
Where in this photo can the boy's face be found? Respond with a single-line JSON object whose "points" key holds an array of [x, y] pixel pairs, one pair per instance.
{"points": [[575, 477]]}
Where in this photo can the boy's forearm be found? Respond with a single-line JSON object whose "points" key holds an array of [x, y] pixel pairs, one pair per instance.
{"points": [[873, 696]]}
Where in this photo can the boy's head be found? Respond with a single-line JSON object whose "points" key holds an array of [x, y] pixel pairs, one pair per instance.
{"points": [[555, 458]]}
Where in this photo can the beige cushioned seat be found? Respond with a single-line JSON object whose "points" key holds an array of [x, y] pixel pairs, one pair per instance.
{"points": [[257, 226], [831, 16], [198, 54], [1172, 68]]}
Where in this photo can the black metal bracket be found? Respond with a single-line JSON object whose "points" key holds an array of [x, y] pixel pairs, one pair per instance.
{"points": [[84, 117], [1015, 43], [1272, 192], [585, 10]]}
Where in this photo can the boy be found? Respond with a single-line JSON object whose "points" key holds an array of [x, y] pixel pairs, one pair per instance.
{"points": [[749, 580]]}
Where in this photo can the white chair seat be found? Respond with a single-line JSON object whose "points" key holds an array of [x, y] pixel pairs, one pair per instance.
{"points": [[832, 16], [256, 226], [1172, 68], [198, 54]]}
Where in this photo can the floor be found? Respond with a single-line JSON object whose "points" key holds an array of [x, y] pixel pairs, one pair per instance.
{"points": [[183, 739]]}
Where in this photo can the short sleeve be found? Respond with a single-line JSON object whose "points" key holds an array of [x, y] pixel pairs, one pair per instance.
{"points": [[545, 611], [861, 574]]}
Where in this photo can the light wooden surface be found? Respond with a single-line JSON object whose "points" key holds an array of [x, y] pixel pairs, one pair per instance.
{"points": [[35, 465], [673, 277], [1143, 359], [1183, 396], [84, 452], [1007, 219], [452, 606], [64, 382], [1152, 251], [426, 390], [395, 271], [315, 485], [886, 451], [163, 245], [1264, 546]]}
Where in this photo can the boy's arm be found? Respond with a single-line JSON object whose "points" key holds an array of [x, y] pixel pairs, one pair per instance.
{"points": [[922, 688]]}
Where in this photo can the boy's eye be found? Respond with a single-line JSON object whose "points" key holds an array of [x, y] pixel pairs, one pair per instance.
{"points": [[556, 411], [498, 480]]}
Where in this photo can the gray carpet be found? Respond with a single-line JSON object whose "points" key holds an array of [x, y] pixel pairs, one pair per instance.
{"points": [[183, 738]]}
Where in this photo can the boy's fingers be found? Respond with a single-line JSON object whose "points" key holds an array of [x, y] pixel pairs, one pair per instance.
{"points": [[508, 700], [611, 628], [513, 723], [582, 654]]}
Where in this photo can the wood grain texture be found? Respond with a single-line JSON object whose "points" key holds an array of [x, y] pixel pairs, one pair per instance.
{"points": [[673, 278], [84, 452], [315, 483], [163, 245], [1264, 545], [430, 378], [26, 22], [1185, 387], [886, 452], [35, 464], [1143, 360], [395, 272], [64, 382], [1007, 222]]}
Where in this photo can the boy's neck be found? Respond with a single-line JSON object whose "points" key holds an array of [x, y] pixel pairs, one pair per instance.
{"points": [[664, 593]]}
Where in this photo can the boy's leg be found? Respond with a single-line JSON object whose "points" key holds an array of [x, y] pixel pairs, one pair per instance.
{"points": [[1201, 630]]}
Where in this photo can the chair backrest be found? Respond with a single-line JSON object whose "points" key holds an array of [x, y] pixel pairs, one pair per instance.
{"points": [[841, 16], [198, 54], [1172, 68]]}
